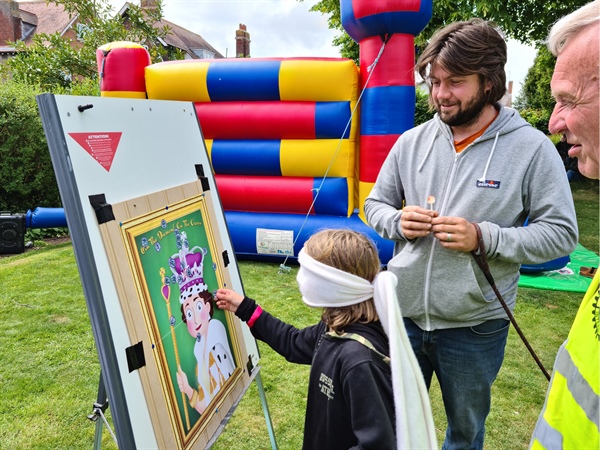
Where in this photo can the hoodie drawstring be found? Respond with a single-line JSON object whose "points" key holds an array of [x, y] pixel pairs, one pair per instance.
{"points": [[437, 131], [483, 177]]}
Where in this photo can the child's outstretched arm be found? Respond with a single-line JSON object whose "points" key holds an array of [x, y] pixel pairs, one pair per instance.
{"points": [[295, 345]]}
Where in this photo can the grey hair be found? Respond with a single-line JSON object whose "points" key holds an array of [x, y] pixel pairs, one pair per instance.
{"points": [[571, 25]]}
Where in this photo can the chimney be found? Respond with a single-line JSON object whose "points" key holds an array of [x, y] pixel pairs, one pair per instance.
{"points": [[148, 4], [10, 21], [510, 91], [242, 42]]}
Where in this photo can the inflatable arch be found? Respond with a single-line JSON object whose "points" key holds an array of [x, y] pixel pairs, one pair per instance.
{"points": [[290, 155]]}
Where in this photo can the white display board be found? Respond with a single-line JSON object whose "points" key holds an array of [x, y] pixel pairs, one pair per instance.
{"points": [[142, 161]]}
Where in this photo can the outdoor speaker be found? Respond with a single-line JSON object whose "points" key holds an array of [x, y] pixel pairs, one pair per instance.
{"points": [[12, 233]]}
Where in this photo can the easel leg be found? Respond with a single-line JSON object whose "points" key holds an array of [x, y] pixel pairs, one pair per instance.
{"points": [[99, 407], [265, 407]]}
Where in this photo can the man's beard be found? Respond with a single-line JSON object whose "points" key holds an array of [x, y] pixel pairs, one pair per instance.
{"points": [[467, 115]]}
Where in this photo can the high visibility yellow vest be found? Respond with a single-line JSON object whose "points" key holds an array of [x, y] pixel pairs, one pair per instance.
{"points": [[570, 417]]}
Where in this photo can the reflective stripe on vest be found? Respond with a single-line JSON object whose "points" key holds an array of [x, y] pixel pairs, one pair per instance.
{"points": [[579, 387], [582, 393], [547, 436]]}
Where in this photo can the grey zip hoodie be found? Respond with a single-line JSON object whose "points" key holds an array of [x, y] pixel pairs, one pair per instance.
{"points": [[511, 173]]}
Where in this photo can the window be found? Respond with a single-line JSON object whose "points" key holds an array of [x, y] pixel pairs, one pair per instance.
{"points": [[203, 53]]}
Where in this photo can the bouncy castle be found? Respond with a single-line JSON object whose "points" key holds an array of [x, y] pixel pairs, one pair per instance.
{"points": [[295, 143]]}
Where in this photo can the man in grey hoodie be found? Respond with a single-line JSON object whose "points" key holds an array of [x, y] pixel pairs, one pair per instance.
{"points": [[474, 162]]}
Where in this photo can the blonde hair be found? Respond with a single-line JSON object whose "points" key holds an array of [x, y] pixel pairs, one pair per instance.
{"points": [[351, 252], [571, 25]]}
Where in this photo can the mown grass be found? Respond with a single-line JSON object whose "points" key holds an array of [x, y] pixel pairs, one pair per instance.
{"points": [[49, 366]]}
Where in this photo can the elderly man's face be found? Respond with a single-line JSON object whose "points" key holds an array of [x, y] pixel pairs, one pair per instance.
{"points": [[576, 88]]}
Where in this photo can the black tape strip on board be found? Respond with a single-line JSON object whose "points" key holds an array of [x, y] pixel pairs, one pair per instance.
{"points": [[249, 365], [135, 357], [202, 177], [104, 212], [225, 256]]}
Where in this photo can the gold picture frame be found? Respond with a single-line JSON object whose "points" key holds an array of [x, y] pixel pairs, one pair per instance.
{"points": [[168, 261]]}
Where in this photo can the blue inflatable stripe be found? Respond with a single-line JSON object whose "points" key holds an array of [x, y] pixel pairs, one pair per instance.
{"points": [[331, 119], [387, 110], [406, 22], [246, 157], [333, 196], [242, 229], [231, 80]]}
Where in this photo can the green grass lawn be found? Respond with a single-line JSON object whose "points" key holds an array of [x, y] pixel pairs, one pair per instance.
{"points": [[49, 366]]}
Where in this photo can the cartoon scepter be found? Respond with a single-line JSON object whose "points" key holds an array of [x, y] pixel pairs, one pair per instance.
{"points": [[165, 293]]}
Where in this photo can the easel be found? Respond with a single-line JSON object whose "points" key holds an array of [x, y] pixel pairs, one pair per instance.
{"points": [[96, 157], [101, 405]]}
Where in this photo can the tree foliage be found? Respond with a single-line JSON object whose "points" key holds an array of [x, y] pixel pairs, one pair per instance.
{"points": [[535, 101], [25, 170], [423, 112], [527, 21], [53, 61]]}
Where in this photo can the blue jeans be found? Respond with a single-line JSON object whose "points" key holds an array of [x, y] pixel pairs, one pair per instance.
{"points": [[465, 362]]}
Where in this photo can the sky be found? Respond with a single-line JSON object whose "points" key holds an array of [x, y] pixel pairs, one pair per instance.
{"points": [[285, 28]]}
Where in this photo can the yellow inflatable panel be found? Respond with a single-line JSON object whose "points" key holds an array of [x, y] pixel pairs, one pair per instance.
{"points": [[319, 80], [119, 44], [312, 158], [208, 144], [123, 94], [351, 191], [184, 81], [364, 189]]}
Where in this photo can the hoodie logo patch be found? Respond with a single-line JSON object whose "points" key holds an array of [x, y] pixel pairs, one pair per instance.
{"points": [[488, 184]]}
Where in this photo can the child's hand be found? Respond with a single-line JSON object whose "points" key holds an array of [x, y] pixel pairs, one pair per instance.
{"points": [[228, 299]]}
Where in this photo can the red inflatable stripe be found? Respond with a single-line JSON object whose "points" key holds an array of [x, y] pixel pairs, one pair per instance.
{"points": [[265, 194], [257, 120], [364, 9], [397, 63], [371, 159]]}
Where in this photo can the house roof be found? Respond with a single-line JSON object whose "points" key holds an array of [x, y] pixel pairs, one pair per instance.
{"points": [[48, 18], [180, 37], [186, 40]]}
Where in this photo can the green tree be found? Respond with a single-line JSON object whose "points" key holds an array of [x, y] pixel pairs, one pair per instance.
{"points": [[25, 168], [535, 101], [423, 112], [527, 21], [54, 62]]}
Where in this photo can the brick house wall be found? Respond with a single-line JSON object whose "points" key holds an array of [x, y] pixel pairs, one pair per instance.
{"points": [[10, 22]]}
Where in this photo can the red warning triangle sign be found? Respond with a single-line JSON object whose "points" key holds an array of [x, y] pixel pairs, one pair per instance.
{"points": [[101, 146]]}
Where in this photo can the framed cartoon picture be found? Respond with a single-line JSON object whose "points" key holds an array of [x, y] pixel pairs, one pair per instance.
{"points": [[176, 267], [169, 261]]}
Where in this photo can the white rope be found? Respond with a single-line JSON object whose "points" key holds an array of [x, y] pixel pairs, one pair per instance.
{"points": [[282, 267], [99, 411]]}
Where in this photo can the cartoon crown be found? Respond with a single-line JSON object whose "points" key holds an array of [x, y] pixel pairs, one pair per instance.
{"points": [[187, 267]]}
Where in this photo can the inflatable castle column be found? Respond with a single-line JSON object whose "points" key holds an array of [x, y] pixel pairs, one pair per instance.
{"points": [[388, 102], [121, 68]]}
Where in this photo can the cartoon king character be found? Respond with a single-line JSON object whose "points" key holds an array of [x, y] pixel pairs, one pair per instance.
{"points": [[215, 364]]}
